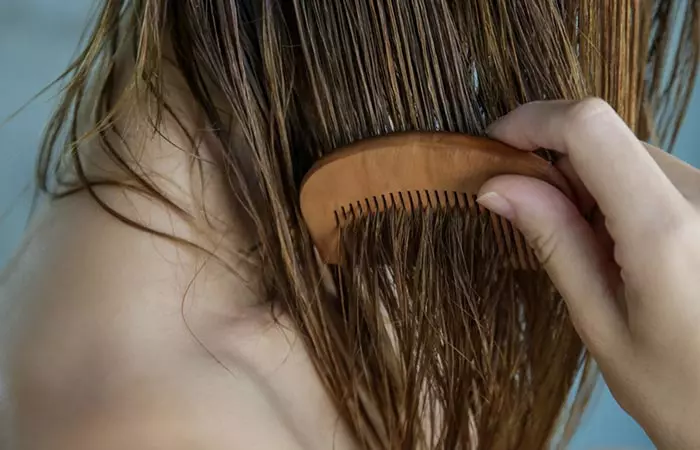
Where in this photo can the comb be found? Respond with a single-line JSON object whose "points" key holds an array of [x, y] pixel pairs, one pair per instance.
{"points": [[413, 171]]}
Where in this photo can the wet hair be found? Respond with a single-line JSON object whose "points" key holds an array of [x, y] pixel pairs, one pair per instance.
{"points": [[423, 337]]}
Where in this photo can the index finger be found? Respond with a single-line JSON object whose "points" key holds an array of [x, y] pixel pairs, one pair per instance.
{"points": [[631, 190]]}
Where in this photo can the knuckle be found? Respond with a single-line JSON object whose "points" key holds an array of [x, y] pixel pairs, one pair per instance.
{"points": [[544, 246], [581, 112], [547, 240]]}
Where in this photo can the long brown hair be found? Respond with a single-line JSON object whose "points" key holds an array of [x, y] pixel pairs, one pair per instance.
{"points": [[423, 337]]}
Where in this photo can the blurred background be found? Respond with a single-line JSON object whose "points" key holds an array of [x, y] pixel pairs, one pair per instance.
{"points": [[37, 40]]}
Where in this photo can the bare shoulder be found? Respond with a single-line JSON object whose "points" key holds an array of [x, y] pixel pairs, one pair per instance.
{"points": [[114, 336], [118, 333]]}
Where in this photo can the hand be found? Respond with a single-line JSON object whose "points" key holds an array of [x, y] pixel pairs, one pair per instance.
{"points": [[631, 281]]}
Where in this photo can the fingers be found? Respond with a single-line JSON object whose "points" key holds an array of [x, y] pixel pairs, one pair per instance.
{"points": [[629, 187], [584, 200], [567, 248]]}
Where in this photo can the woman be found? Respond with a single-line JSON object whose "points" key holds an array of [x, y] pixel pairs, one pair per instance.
{"points": [[170, 296]]}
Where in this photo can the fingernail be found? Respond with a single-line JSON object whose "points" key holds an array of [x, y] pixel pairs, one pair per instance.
{"points": [[495, 203]]}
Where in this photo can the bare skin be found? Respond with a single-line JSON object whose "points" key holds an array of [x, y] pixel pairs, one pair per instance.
{"points": [[117, 339], [98, 354]]}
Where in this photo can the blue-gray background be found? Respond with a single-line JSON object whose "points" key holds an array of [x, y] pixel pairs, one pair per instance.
{"points": [[37, 39]]}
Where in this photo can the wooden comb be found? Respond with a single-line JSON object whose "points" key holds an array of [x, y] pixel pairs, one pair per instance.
{"points": [[415, 170]]}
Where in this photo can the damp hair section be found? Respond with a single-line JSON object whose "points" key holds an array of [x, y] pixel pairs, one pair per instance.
{"points": [[424, 337], [454, 343]]}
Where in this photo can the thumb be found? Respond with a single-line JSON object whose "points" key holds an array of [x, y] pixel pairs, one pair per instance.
{"points": [[567, 248]]}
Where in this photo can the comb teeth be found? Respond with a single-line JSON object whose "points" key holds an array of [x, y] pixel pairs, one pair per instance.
{"points": [[510, 242], [413, 171]]}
